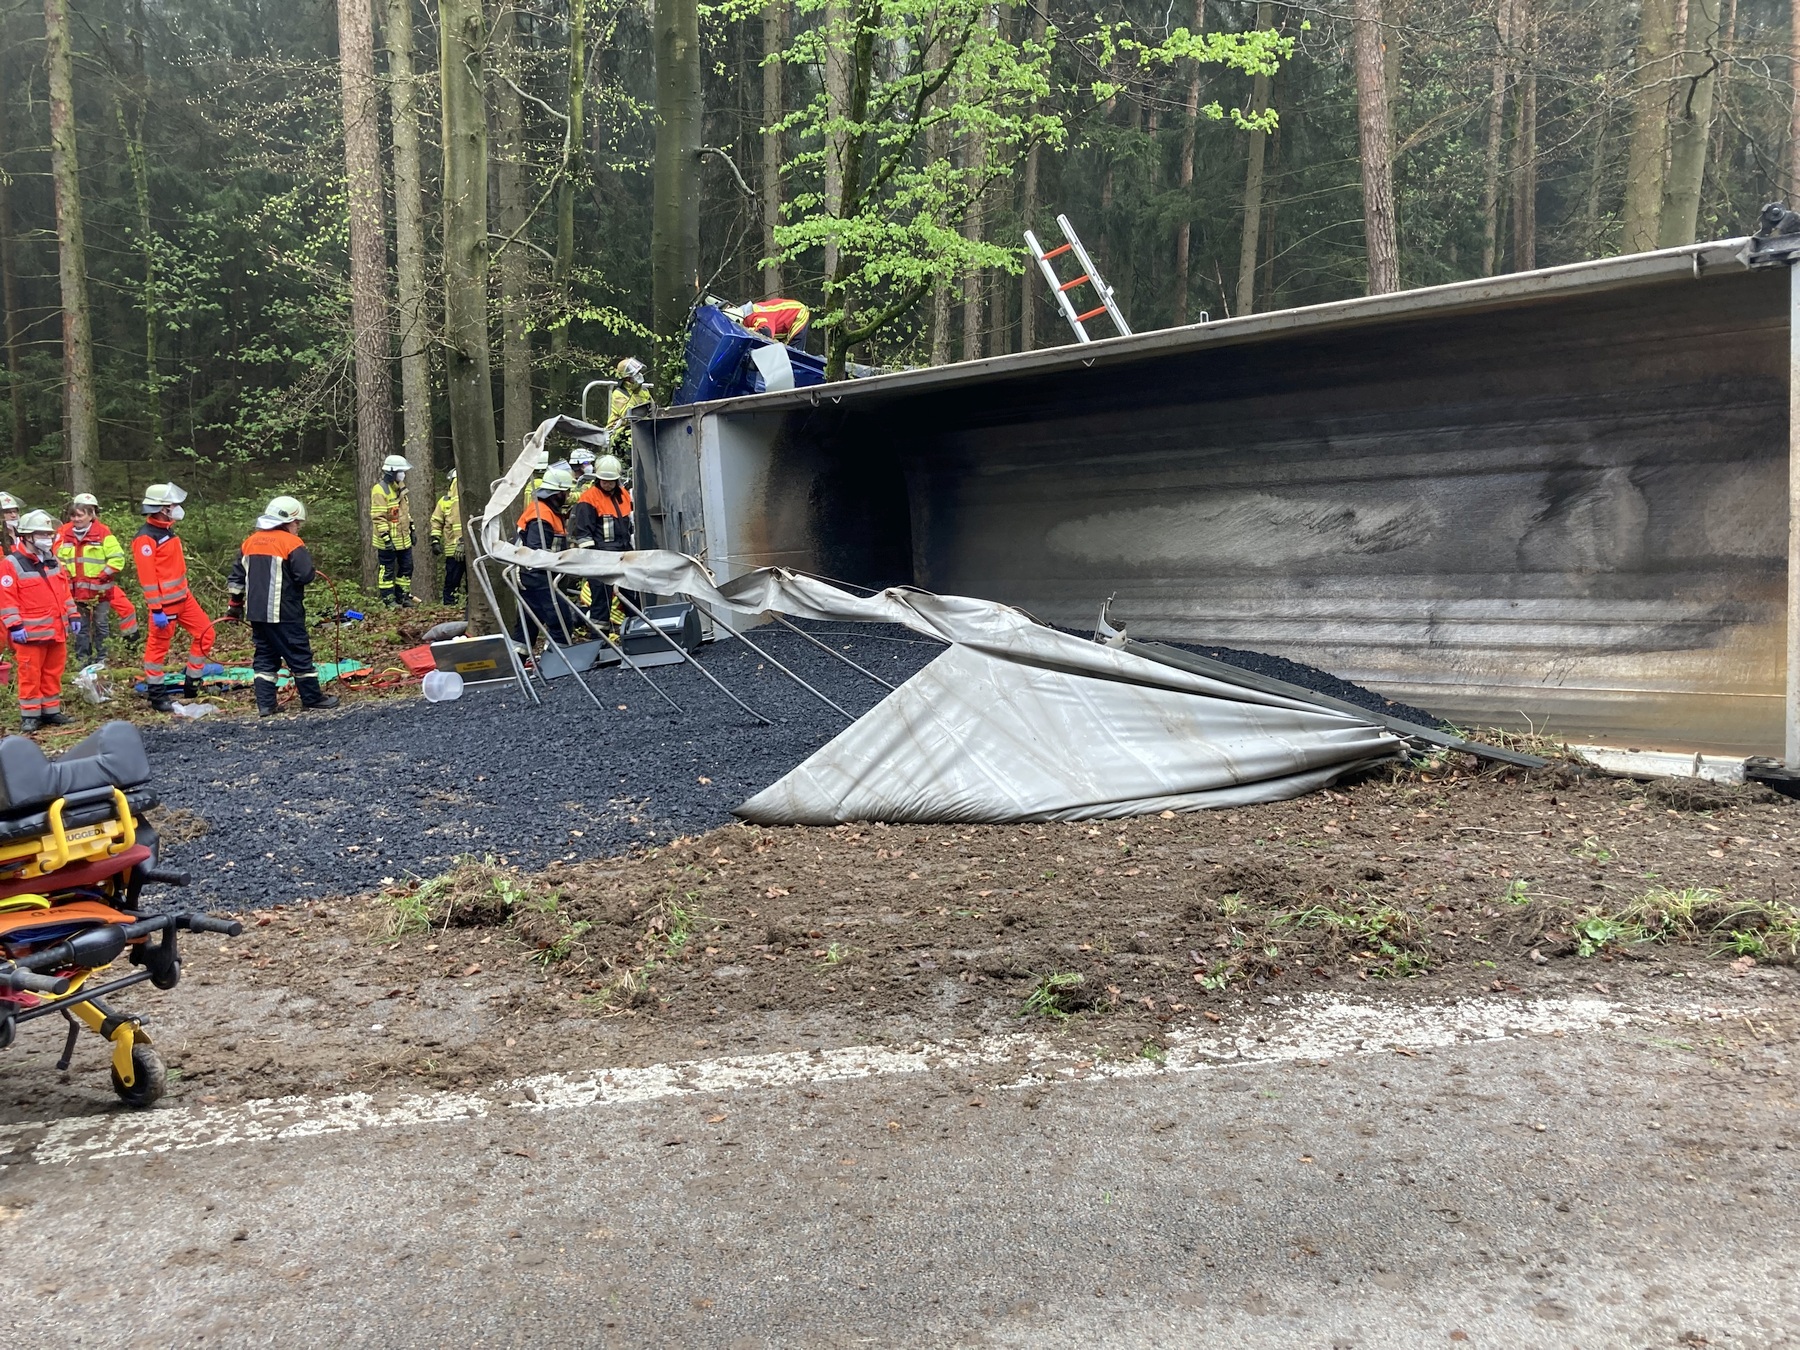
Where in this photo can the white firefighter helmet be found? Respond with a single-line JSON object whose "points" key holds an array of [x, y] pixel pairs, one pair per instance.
{"points": [[282, 511], [580, 455], [608, 469], [557, 478], [162, 496], [396, 464], [37, 522], [8, 502], [86, 499], [631, 369]]}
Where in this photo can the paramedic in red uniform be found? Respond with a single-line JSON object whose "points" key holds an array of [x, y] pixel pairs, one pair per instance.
{"points": [[162, 573]]}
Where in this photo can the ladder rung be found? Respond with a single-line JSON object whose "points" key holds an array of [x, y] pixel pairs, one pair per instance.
{"points": [[1091, 314], [1057, 252], [1071, 285]]}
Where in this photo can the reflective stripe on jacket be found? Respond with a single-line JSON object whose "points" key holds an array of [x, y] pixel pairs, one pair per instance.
{"points": [[93, 561], [388, 514], [446, 522], [271, 573], [161, 566], [35, 596], [782, 320], [539, 527], [599, 514], [618, 408]]}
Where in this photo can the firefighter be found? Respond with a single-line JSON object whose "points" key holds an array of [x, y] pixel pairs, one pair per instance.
{"points": [[95, 559], [267, 587], [602, 519], [38, 611], [632, 391], [581, 464], [393, 532], [10, 506], [162, 575], [783, 320], [447, 538], [541, 527]]}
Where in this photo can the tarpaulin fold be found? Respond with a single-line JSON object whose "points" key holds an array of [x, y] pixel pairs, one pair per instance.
{"points": [[1015, 721]]}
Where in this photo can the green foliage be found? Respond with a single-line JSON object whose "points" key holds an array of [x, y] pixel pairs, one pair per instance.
{"points": [[1050, 995]]}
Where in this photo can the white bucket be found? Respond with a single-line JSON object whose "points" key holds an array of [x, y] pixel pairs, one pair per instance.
{"points": [[442, 686]]}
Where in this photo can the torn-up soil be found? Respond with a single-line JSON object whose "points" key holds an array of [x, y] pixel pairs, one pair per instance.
{"points": [[1440, 883]]}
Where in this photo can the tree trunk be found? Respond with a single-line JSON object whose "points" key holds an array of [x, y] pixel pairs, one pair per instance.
{"points": [[1794, 113], [1692, 129], [131, 135], [1602, 119], [1184, 172], [859, 73], [1376, 141], [975, 221], [675, 212], [409, 260], [1253, 181], [1032, 189], [774, 37], [462, 37], [562, 270], [9, 284], [1524, 163], [81, 420], [1496, 134], [837, 96], [509, 203], [1646, 163], [369, 318]]}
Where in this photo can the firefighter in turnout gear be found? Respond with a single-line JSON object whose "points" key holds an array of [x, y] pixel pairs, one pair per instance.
{"points": [[581, 464], [95, 559], [391, 527], [783, 320], [267, 587], [447, 538], [541, 527], [602, 519], [38, 612], [632, 391], [162, 575]]}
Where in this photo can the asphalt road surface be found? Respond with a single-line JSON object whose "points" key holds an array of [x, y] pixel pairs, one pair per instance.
{"points": [[1506, 1173]]}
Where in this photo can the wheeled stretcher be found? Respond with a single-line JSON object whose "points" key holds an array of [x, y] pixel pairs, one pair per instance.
{"points": [[75, 858]]}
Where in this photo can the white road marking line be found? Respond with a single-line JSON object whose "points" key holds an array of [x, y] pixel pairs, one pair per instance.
{"points": [[1314, 1027]]}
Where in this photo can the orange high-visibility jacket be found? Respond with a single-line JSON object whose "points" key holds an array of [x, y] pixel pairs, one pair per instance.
{"points": [[35, 596], [780, 319], [161, 566]]}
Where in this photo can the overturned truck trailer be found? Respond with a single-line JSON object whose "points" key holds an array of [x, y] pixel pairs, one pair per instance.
{"points": [[1558, 497]]}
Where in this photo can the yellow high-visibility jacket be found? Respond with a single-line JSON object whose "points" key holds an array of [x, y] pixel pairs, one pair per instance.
{"points": [[94, 562], [446, 522], [618, 416], [391, 515]]}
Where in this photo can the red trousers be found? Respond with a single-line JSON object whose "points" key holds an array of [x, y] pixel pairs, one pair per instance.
{"points": [[40, 676], [190, 616], [114, 595]]}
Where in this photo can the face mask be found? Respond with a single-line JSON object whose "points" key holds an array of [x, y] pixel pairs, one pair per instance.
{"points": [[176, 513], [400, 480], [43, 543]]}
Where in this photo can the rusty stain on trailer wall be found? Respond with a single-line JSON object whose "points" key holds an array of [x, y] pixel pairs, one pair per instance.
{"points": [[1569, 510]]}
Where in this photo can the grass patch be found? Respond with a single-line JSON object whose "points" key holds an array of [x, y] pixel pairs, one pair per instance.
{"points": [[1053, 996]]}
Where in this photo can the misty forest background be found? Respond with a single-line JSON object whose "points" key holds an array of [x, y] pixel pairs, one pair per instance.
{"points": [[205, 277]]}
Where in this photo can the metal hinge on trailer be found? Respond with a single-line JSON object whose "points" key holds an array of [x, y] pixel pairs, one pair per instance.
{"points": [[1089, 274]]}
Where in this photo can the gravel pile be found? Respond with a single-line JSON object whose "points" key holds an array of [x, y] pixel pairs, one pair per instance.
{"points": [[1319, 681], [308, 805]]}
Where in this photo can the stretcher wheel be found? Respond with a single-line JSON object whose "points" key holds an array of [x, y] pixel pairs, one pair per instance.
{"points": [[149, 1075]]}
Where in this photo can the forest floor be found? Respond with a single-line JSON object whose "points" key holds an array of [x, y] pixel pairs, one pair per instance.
{"points": [[1412, 884]]}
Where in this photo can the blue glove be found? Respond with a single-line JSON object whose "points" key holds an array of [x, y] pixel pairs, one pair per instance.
{"points": [[18, 636], [74, 627], [158, 618]]}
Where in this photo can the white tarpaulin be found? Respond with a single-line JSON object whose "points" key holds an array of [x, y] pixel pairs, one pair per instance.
{"points": [[1015, 721]]}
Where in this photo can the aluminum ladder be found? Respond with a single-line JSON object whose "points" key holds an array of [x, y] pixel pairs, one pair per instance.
{"points": [[1089, 275]]}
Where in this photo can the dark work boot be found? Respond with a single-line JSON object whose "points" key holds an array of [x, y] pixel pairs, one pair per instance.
{"points": [[311, 695], [161, 697], [190, 686], [28, 723], [56, 717]]}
